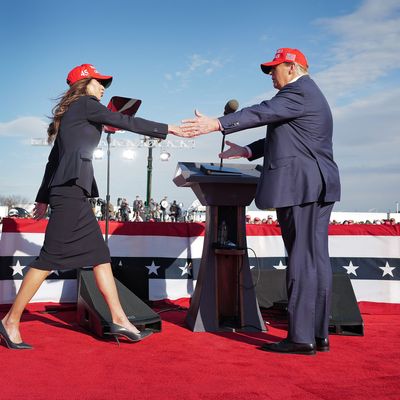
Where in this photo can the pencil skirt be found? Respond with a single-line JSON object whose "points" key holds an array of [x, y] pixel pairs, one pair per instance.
{"points": [[73, 238]]}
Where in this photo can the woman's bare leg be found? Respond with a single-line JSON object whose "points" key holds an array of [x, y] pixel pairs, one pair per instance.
{"points": [[30, 285], [106, 284]]}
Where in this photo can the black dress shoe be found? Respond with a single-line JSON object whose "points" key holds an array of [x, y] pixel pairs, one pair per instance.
{"points": [[10, 344], [288, 347], [322, 344], [118, 330]]}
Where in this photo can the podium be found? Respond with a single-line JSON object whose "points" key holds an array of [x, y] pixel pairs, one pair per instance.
{"points": [[224, 298]]}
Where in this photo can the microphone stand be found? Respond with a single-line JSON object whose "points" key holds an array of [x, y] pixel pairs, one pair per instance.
{"points": [[108, 186], [230, 107], [222, 149]]}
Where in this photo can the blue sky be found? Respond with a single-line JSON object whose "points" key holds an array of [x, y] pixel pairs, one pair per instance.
{"points": [[179, 55]]}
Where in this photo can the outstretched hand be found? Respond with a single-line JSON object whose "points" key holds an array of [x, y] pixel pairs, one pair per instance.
{"points": [[199, 125], [234, 151], [39, 211], [175, 130]]}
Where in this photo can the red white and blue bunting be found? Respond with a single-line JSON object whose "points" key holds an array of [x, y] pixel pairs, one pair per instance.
{"points": [[161, 260]]}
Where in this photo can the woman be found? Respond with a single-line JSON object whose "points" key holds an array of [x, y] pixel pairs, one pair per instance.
{"points": [[73, 238]]}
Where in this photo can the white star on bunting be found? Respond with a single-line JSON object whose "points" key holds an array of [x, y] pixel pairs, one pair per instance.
{"points": [[17, 268], [55, 272], [280, 265], [252, 266], [387, 270], [351, 269], [153, 268], [186, 269]]}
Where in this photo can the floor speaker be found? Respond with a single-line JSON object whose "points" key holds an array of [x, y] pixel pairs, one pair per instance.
{"points": [[345, 318], [93, 313]]}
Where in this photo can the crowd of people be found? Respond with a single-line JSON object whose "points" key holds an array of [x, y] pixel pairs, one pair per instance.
{"points": [[261, 221], [270, 221], [388, 221], [161, 211]]}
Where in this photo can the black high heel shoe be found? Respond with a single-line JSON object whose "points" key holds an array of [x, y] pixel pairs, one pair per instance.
{"points": [[10, 344], [118, 330]]}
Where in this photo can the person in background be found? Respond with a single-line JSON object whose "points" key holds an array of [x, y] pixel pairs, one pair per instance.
{"points": [[137, 208], [157, 213], [173, 210], [163, 208], [124, 210], [92, 202], [152, 208], [73, 238], [270, 220]]}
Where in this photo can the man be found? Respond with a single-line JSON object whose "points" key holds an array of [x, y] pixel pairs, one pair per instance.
{"points": [[174, 211], [124, 210], [269, 221], [137, 208], [163, 208], [301, 180], [152, 208]]}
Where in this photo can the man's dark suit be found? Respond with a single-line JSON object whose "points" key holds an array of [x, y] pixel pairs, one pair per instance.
{"points": [[301, 180], [71, 157]]}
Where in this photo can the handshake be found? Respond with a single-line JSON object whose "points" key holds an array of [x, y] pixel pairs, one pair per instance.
{"points": [[202, 124], [199, 125]]}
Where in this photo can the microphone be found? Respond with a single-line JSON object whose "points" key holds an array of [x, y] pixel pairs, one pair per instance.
{"points": [[230, 107]]}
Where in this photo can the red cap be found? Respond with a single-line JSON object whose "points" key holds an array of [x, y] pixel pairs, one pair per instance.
{"points": [[87, 71], [285, 55]]}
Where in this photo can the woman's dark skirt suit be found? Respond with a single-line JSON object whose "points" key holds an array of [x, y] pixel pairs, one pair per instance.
{"points": [[73, 237]]}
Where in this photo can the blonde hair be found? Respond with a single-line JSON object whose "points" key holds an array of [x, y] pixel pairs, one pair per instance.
{"points": [[77, 90]]}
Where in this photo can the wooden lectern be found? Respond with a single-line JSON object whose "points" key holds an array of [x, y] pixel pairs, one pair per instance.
{"points": [[225, 297]]}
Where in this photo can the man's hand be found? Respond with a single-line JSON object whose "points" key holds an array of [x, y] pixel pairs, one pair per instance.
{"points": [[39, 211], [199, 125], [235, 151]]}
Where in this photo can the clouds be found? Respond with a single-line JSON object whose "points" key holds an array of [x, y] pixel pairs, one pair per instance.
{"points": [[197, 65], [365, 48], [366, 144], [372, 119], [361, 83], [361, 86], [24, 127]]}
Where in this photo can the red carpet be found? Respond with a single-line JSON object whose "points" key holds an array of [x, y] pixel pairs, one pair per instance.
{"points": [[68, 363]]}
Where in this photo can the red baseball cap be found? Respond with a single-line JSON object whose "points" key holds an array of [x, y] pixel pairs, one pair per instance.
{"points": [[87, 71], [285, 54]]}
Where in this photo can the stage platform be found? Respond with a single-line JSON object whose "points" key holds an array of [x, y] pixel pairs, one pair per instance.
{"points": [[69, 363]]}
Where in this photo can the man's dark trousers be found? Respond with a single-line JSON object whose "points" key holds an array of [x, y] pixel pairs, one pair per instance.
{"points": [[309, 274]]}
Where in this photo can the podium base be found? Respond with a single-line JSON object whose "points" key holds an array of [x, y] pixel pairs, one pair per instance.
{"points": [[196, 324]]}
